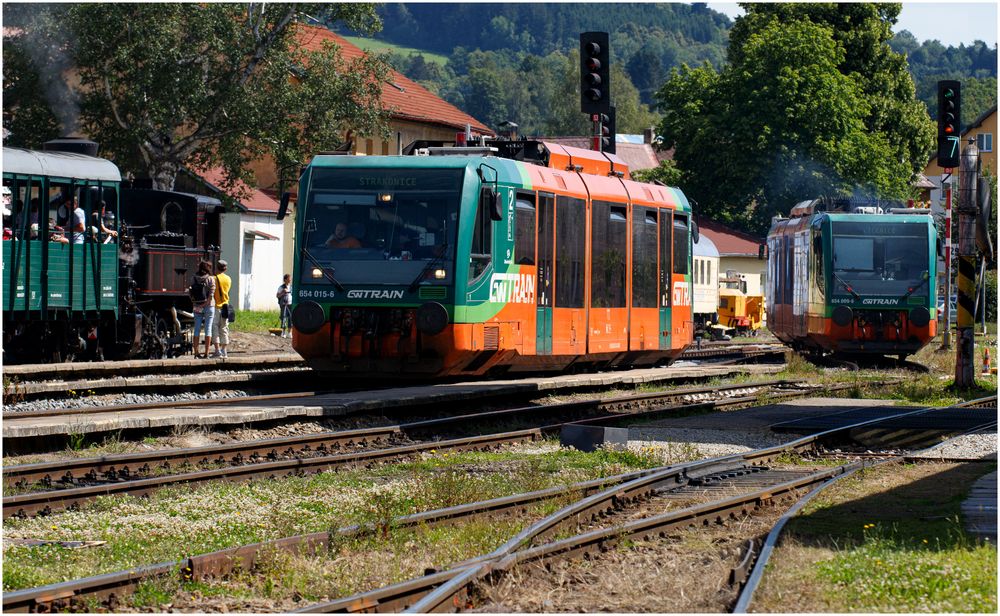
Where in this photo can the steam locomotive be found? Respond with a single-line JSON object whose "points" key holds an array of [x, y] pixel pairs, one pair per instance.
{"points": [[92, 270]]}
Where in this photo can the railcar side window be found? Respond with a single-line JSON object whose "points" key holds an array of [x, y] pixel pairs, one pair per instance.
{"points": [[571, 233], [681, 244], [644, 257], [666, 244], [609, 235], [524, 238], [482, 241]]}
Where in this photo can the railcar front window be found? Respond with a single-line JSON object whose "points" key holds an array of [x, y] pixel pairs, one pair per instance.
{"points": [[879, 259], [381, 225]]}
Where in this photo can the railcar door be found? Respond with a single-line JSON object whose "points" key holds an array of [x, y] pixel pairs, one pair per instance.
{"points": [[546, 236], [569, 312], [608, 327], [666, 270]]}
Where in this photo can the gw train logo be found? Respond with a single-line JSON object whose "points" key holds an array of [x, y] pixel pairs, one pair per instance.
{"points": [[374, 294], [512, 288], [871, 301]]}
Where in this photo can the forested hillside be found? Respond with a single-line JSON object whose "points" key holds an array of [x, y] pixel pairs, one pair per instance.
{"points": [[974, 65], [519, 61]]}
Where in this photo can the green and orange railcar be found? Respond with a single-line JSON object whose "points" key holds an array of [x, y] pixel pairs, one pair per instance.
{"points": [[506, 256], [853, 278]]}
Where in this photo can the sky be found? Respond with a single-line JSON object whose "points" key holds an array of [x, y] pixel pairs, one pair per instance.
{"points": [[968, 21]]}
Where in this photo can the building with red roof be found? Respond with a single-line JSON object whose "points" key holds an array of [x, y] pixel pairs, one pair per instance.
{"points": [[739, 252], [258, 247]]}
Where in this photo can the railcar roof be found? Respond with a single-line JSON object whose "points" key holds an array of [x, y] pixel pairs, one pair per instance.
{"points": [[919, 218], [705, 247], [59, 164]]}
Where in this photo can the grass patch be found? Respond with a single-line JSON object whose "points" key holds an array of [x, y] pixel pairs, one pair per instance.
{"points": [[257, 321], [377, 46], [888, 539], [185, 520]]}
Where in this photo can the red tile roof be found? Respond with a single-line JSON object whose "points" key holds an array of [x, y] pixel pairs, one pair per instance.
{"points": [[404, 98], [730, 242], [257, 201]]}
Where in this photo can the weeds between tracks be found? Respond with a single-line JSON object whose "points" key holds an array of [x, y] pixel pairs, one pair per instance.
{"points": [[185, 520]]}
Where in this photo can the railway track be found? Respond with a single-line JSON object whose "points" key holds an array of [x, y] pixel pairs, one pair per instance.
{"points": [[136, 473], [56, 380], [750, 473]]}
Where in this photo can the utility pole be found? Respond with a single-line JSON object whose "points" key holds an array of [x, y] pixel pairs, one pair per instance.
{"points": [[965, 372], [946, 184]]}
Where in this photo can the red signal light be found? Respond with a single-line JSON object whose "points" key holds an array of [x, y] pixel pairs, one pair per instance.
{"points": [[949, 129]]}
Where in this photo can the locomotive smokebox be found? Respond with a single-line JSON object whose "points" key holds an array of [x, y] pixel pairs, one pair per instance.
{"points": [[76, 145]]}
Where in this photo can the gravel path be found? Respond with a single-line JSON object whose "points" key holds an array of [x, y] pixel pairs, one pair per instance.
{"points": [[99, 401], [969, 446]]}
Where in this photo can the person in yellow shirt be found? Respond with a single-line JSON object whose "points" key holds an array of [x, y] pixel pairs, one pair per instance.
{"points": [[222, 285]]}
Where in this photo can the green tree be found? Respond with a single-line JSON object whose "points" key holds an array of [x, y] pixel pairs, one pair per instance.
{"points": [[204, 85], [665, 173], [792, 117], [27, 114]]}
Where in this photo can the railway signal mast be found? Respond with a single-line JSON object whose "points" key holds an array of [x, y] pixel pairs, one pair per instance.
{"points": [[948, 154], [595, 88]]}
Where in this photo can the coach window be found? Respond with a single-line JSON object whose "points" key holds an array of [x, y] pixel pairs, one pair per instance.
{"points": [[482, 241], [571, 233], [609, 235], [643, 257], [524, 238], [666, 224], [681, 244]]}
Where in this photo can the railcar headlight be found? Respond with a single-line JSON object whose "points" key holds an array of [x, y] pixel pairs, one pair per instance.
{"points": [[440, 274], [317, 272], [385, 197]]}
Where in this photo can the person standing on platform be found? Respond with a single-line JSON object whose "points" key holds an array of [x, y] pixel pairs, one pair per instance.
{"points": [[202, 292], [222, 311], [285, 306]]}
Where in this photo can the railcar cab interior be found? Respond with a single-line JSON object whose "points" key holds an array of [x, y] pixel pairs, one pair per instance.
{"points": [[380, 226]]}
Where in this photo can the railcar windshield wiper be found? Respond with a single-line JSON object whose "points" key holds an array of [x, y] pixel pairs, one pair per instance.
{"points": [[922, 282], [326, 274], [846, 286], [315, 261], [430, 265]]}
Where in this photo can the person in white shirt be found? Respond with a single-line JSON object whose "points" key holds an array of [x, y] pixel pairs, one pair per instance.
{"points": [[284, 296]]}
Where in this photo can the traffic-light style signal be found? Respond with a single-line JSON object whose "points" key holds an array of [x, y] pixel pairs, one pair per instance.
{"points": [[949, 124], [603, 139], [595, 73]]}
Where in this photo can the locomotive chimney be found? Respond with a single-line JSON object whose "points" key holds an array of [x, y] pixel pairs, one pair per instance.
{"points": [[76, 145]]}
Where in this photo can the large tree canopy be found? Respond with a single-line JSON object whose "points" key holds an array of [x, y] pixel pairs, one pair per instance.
{"points": [[169, 85], [813, 101]]}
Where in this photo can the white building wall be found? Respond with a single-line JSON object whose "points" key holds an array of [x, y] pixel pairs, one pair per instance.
{"points": [[754, 268], [255, 263]]}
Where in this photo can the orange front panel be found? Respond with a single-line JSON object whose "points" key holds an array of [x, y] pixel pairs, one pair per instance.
{"points": [[644, 329]]}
